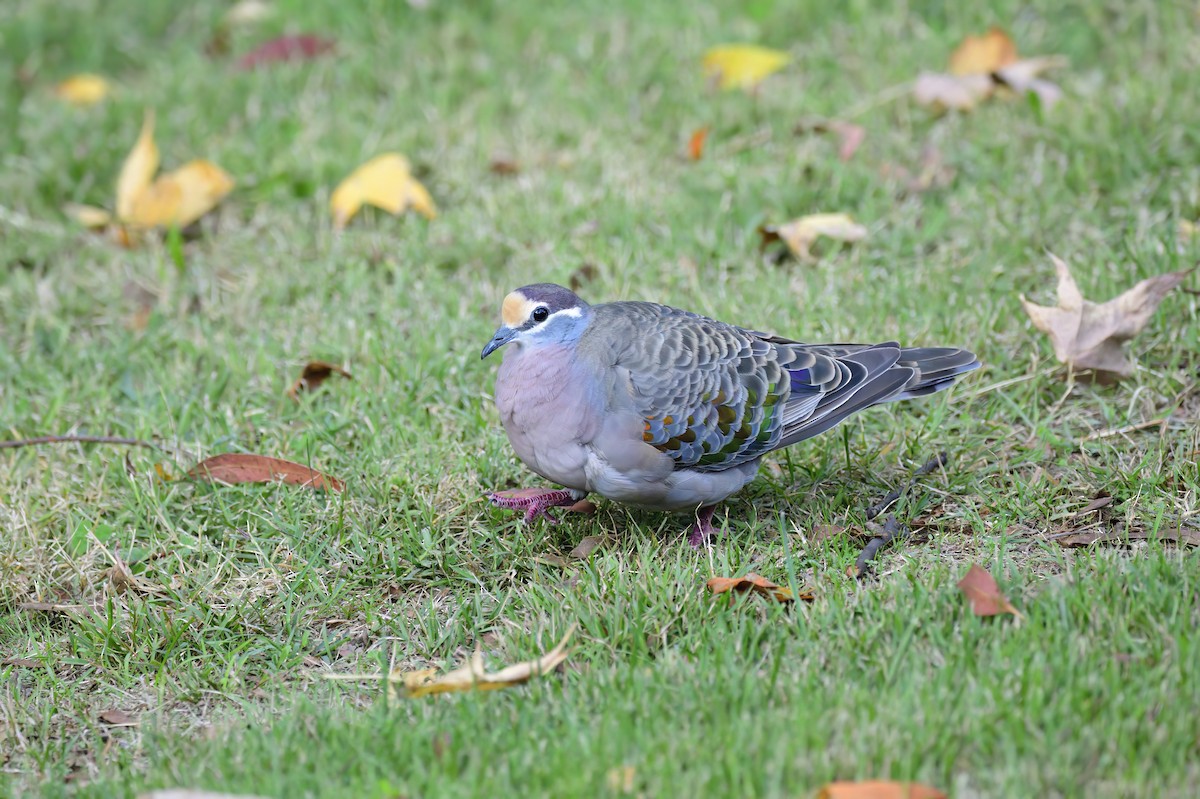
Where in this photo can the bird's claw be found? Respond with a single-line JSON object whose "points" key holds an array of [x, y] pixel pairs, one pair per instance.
{"points": [[535, 502]]}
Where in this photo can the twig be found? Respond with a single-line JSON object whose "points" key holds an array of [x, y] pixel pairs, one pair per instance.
{"points": [[891, 529], [885, 534], [1129, 428], [73, 439], [936, 462]]}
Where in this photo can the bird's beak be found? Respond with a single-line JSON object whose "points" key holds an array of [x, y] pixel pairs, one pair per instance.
{"points": [[504, 334]]}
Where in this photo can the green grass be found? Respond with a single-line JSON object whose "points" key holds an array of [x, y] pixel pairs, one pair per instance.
{"points": [[248, 595]]}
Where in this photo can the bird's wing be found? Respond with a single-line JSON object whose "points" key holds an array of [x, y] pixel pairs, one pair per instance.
{"points": [[711, 396]]}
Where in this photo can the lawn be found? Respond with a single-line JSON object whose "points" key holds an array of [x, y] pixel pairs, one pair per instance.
{"points": [[238, 601]]}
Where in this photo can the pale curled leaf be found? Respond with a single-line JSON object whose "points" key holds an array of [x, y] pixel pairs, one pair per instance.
{"points": [[879, 789], [138, 169], [1087, 335], [742, 66], [385, 182], [234, 468], [981, 590], [1024, 77], [952, 92], [181, 197], [800, 234], [83, 89]]}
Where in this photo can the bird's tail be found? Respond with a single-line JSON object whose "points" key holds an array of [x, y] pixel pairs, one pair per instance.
{"points": [[934, 368]]}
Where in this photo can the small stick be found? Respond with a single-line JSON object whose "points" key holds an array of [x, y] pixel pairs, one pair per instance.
{"points": [[73, 439], [1129, 428], [884, 535], [936, 462], [891, 529]]}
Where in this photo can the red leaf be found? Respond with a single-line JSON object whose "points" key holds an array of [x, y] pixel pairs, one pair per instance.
{"points": [[237, 467], [985, 597], [285, 48], [696, 143]]}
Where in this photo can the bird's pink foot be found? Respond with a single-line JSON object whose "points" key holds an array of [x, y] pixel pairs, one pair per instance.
{"points": [[702, 531], [534, 502]]}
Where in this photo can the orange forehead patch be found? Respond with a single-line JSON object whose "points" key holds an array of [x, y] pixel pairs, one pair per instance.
{"points": [[515, 309]]}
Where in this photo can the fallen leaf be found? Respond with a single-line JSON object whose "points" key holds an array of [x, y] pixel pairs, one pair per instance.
{"points": [[138, 169], [1088, 336], [234, 468], [1178, 535], [180, 197], [742, 66], [825, 532], [1102, 501], [21, 663], [986, 600], [286, 48], [978, 67], [983, 54], [117, 718], [800, 234], [584, 506], [83, 89], [314, 374], [696, 143], [470, 676], [952, 92], [502, 165], [582, 276], [385, 182], [876, 789], [586, 546], [757, 584]]}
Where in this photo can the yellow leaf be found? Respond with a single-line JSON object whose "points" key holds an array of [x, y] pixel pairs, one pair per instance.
{"points": [[472, 677], [799, 234], [182, 196], [742, 66], [384, 182], [83, 89], [983, 54], [139, 168], [87, 215]]}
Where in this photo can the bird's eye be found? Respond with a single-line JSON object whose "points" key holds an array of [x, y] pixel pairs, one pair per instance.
{"points": [[540, 313]]}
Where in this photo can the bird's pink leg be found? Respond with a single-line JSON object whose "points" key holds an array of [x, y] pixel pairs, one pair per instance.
{"points": [[534, 501], [702, 531]]}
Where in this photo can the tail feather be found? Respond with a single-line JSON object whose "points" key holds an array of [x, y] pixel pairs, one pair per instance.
{"points": [[858, 376]]}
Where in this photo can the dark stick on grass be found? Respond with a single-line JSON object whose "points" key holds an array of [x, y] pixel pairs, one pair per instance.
{"points": [[32, 442], [891, 529]]}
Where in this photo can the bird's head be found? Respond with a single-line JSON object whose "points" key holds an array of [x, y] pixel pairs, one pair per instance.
{"points": [[539, 314]]}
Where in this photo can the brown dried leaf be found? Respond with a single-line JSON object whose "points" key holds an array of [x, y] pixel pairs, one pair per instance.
{"points": [[1088, 336], [503, 165], [314, 374], [116, 717], [877, 789], [241, 467], [985, 597], [21, 663], [825, 532], [582, 276], [757, 584], [1179, 535], [586, 546]]}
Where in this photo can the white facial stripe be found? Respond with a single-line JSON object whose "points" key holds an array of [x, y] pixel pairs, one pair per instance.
{"points": [[572, 312]]}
